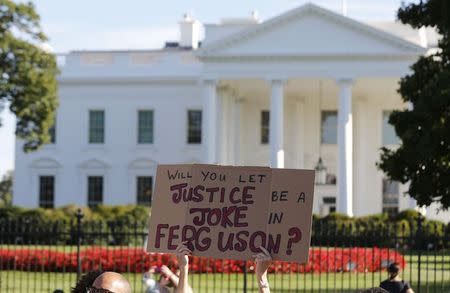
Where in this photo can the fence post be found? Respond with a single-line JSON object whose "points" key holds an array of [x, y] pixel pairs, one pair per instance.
{"points": [[79, 216], [245, 277], [419, 247]]}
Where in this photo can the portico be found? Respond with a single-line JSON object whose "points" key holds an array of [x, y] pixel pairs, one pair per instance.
{"points": [[216, 150]]}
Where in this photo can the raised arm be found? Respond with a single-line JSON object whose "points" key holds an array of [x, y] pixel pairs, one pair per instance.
{"points": [[183, 262], [263, 261]]}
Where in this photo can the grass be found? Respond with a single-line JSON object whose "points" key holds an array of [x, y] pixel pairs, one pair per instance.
{"points": [[14, 281], [435, 277]]}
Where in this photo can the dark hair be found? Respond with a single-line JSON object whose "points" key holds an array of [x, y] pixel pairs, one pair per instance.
{"points": [[86, 281], [375, 290], [393, 270]]}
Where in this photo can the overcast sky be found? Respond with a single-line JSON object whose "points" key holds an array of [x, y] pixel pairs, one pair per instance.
{"points": [[144, 24]]}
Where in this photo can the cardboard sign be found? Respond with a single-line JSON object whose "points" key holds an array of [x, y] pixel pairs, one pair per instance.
{"points": [[229, 212]]}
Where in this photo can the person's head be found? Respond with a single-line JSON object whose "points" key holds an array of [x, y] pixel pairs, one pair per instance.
{"points": [[393, 270], [86, 281], [113, 282]]}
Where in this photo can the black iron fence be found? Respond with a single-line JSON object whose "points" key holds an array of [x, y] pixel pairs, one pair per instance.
{"points": [[38, 256]]}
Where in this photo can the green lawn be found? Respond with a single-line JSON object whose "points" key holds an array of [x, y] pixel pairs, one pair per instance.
{"points": [[435, 277], [14, 281]]}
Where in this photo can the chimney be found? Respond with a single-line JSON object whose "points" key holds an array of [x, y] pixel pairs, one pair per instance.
{"points": [[189, 32]]}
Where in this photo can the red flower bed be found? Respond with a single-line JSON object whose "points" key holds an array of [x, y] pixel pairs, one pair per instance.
{"points": [[135, 260]]}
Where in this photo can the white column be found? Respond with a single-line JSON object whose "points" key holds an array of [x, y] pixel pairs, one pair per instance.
{"points": [[361, 204], [345, 148], [299, 133], [237, 130], [276, 124], [224, 127], [209, 121]]}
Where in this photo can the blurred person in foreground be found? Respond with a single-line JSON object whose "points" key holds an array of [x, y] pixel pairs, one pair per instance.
{"points": [[395, 284], [102, 282], [262, 261]]}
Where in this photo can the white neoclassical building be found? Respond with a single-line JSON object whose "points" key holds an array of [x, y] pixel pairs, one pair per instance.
{"points": [[306, 86]]}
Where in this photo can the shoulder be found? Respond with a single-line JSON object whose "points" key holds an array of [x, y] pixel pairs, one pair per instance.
{"points": [[385, 284], [406, 285]]}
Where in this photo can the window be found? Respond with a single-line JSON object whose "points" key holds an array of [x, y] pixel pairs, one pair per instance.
{"points": [[194, 127], [144, 190], [389, 135], [391, 194], [329, 205], [145, 126], [46, 191], [95, 190], [329, 127], [265, 118], [96, 126], [52, 132]]}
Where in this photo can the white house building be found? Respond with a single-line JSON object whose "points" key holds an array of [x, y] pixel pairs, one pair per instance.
{"points": [[309, 84]]}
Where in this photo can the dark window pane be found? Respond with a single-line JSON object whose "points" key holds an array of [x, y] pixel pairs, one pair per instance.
{"points": [[391, 211], [144, 190], [265, 121], [329, 127], [194, 127], [96, 126], [52, 133], [391, 195], [389, 135], [95, 190], [145, 126], [329, 199], [46, 191]]}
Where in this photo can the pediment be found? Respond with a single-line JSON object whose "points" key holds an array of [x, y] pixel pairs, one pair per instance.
{"points": [[143, 163], [45, 163], [311, 31], [94, 164]]}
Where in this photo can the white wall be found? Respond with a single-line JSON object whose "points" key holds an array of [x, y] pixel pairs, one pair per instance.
{"points": [[116, 159], [121, 159]]}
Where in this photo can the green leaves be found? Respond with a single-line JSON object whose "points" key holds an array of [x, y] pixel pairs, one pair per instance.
{"points": [[423, 158], [6, 184], [28, 73]]}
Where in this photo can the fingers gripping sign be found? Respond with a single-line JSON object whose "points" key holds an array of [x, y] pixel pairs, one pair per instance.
{"points": [[183, 253]]}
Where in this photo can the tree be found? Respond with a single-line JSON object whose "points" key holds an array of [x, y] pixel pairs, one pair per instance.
{"points": [[6, 189], [423, 158], [28, 73]]}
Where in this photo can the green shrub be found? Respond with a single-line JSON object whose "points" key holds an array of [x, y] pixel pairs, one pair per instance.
{"points": [[123, 225]]}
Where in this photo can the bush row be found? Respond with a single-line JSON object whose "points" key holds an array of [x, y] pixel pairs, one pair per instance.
{"points": [[137, 261], [116, 225], [68, 213]]}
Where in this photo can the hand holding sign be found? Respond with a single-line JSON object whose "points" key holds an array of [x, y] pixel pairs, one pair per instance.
{"points": [[229, 212]]}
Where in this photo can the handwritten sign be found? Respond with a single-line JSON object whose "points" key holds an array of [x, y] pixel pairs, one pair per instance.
{"points": [[229, 212]]}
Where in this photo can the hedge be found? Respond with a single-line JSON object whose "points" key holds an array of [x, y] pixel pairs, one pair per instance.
{"points": [[137, 261], [120, 224]]}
